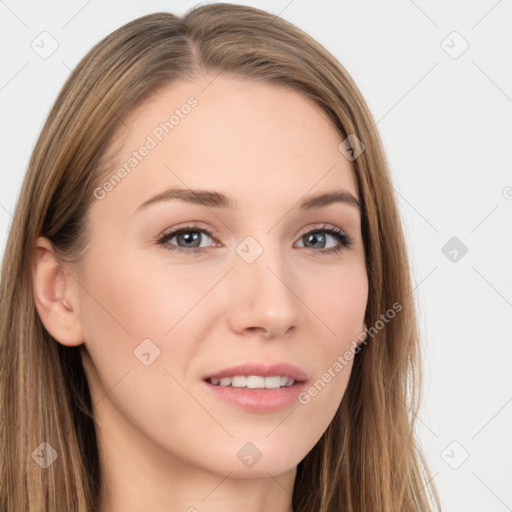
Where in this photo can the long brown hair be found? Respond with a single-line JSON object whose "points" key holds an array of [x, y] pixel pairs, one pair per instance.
{"points": [[368, 459]]}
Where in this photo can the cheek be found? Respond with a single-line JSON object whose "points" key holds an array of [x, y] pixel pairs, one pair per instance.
{"points": [[134, 312], [132, 298], [126, 313], [126, 310], [340, 310], [337, 298]]}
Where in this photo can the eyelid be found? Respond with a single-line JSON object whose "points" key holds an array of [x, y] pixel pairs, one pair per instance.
{"points": [[188, 226]]}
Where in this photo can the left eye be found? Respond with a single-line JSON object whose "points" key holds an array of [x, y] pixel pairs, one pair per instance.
{"points": [[191, 237]]}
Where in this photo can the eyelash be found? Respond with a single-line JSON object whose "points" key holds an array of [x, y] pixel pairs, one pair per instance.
{"points": [[344, 240]]}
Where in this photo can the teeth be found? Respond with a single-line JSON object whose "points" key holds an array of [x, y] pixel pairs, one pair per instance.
{"points": [[253, 382], [273, 382], [239, 381]]}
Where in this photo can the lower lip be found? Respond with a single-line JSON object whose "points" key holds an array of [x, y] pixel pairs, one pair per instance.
{"points": [[258, 400]]}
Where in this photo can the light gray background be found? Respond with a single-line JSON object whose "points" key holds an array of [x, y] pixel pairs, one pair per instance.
{"points": [[446, 124]]}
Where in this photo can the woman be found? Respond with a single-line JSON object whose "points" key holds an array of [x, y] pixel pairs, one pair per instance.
{"points": [[272, 363]]}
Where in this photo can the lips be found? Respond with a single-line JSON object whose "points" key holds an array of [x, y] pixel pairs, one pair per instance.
{"points": [[262, 370], [252, 397]]}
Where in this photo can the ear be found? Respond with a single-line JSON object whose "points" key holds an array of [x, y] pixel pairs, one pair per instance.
{"points": [[55, 295]]}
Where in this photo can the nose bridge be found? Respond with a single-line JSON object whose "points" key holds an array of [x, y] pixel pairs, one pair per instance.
{"points": [[262, 289]]}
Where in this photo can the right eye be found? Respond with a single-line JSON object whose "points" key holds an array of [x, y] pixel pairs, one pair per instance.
{"points": [[188, 235]]}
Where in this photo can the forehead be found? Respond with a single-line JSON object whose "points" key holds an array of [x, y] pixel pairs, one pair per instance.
{"points": [[257, 140]]}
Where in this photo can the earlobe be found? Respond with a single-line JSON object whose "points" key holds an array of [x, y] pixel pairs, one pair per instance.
{"points": [[54, 299]]}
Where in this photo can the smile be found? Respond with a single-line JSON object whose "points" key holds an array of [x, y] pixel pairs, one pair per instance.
{"points": [[253, 381]]}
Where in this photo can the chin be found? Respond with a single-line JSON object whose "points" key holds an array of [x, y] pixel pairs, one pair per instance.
{"points": [[264, 471]]}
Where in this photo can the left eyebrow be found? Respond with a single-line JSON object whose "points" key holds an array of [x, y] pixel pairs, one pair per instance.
{"points": [[214, 199], [328, 198]]}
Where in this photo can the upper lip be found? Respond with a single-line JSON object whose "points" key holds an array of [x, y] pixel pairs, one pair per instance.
{"points": [[264, 370]]}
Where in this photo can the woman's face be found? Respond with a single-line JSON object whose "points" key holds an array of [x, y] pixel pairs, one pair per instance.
{"points": [[243, 285]]}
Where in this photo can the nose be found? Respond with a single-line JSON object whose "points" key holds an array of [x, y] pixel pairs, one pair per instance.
{"points": [[263, 299]]}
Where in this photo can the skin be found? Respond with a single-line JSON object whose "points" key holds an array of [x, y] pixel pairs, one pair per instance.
{"points": [[165, 443]]}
